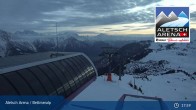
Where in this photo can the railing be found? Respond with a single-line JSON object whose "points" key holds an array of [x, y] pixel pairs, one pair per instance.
{"points": [[122, 101]]}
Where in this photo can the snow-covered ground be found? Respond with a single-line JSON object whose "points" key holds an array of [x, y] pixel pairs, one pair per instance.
{"points": [[104, 95], [178, 23], [102, 90], [95, 95], [177, 86], [180, 55], [2, 48], [170, 87]]}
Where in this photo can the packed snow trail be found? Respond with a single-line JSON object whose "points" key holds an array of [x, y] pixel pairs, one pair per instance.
{"points": [[177, 23]]}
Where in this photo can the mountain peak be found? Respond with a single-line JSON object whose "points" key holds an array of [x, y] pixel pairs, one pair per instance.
{"points": [[161, 19], [172, 13], [5, 36], [172, 16], [102, 35], [68, 35], [182, 14], [162, 14], [26, 32]]}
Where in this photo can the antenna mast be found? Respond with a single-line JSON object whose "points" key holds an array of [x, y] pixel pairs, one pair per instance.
{"points": [[57, 49]]}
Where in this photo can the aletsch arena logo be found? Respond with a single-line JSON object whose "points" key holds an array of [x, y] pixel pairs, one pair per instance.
{"points": [[172, 24]]}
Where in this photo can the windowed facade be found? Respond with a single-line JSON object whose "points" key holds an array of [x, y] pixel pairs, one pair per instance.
{"points": [[58, 77]]}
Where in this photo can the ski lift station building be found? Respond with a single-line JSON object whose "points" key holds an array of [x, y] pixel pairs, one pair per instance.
{"points": [[47, 73]]}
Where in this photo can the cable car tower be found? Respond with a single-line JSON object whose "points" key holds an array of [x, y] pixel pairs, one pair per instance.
{"points": [[108, 53]]}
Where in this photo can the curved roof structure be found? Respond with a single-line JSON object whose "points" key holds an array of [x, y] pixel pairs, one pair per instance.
{"points": [[45, 73]]}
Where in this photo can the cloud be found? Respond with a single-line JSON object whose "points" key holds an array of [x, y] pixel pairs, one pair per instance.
{"points": [[117, 30], [193, 16], [41, 15]]}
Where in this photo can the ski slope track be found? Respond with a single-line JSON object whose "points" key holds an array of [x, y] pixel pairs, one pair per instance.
{"points": [[181, 22]]}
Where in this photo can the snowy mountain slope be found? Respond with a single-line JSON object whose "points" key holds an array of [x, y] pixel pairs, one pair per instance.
{"points": [[2, 48], [177, 23], [172, 81], [27, 35], [170, 87], [10, 46], [178, 54], [106, 89], [24, 45], [4, 39], [66, 35]]}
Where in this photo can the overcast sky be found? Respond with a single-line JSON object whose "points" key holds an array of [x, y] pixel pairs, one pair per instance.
{"points": [[86, 16]]}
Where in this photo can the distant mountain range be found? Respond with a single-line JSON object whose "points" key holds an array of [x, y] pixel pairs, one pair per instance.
{"points": [[68, 42], [4, 38], [21, 42], [10, 47], [26, 32]]}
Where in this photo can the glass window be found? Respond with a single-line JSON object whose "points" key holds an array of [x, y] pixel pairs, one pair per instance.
{"points": [[81, 66], [19, 83], [74, 71], [53, 78], [89, 68], [42, 78], [62, 79], [78, 70], [84, 64], [68, 82], [84, 59], [66, 74], [32, 81], [71, 72], [6, 88]]}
